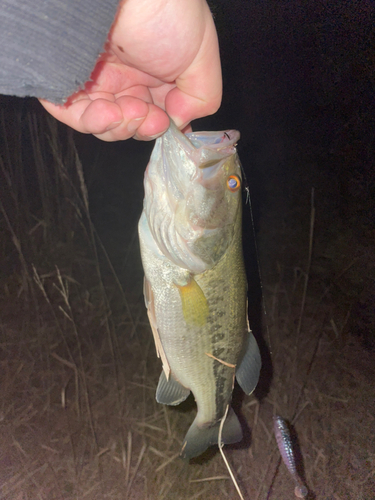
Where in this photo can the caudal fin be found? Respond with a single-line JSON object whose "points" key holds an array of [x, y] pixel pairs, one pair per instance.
{"points": [[198, 439]]}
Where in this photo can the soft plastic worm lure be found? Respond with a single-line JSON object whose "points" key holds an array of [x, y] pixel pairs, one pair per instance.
{"points": [[284, 442]]}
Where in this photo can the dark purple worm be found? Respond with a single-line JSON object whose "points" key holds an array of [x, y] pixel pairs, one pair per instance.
{"points": [[284, 442]]}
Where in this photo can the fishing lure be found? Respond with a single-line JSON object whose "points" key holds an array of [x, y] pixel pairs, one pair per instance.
{"points": [[284, 443]]}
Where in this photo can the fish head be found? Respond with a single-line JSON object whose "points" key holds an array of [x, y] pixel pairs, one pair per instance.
{"points": [[193, 196]]}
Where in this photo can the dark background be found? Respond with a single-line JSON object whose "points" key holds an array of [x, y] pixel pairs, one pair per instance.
{"points": [[299, 85]]}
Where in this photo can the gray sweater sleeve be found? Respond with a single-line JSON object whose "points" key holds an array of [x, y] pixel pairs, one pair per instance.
{"points": [[48, 48]]}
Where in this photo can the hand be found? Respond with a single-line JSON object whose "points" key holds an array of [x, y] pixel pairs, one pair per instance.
{"points": [[162, 56]]}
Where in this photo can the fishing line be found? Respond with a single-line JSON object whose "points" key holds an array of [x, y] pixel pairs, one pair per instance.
{"points": [[300, 491], [248, 202], [221, 445]]}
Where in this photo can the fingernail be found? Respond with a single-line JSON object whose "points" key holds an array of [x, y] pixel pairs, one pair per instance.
{"points": [[152, 137], [134, 124], [113, 125], [177, 121]]}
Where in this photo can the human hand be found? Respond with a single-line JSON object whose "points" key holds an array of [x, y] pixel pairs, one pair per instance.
{"points": [[162, 57]]}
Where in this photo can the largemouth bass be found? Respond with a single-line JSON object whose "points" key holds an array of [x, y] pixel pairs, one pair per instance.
{"points": [[195, 282]]}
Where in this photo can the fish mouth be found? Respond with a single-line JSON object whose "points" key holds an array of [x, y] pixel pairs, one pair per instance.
{"points": [[217, 141], [198, 155], [211, 151], [209, 173]]}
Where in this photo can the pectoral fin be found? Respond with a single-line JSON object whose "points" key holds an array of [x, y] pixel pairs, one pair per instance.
{"points": [[247, 373], [170, 392], [149, 301], [194, 303]]}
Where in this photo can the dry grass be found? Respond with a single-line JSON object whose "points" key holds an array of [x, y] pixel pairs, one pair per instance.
{"points": [[78, 416]]}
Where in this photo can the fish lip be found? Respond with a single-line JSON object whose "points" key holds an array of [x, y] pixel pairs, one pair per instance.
{"points": [[218, 141], [206, 175], [205, 151]]}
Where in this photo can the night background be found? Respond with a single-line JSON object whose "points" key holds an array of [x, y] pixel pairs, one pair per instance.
{"points": [[78, 416]]}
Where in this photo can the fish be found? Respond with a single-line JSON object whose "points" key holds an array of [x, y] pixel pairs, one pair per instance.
{"points": [[195, 285], [285, 445]]}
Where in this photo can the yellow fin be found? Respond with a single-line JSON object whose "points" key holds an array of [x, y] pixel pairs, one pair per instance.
{"points": [[194, 303]]}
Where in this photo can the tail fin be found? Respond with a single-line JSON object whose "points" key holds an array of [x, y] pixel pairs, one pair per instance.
{"points": [[198, 439]]}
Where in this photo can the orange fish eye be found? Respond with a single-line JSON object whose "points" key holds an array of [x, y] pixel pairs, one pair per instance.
{"points": [[233, 183]]}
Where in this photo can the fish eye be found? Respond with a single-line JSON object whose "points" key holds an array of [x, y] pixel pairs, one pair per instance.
{"points": [[233, 183]]}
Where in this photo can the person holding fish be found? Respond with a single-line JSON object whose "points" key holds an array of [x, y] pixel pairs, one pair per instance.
{"points": [[160, 69], [160, 58]]}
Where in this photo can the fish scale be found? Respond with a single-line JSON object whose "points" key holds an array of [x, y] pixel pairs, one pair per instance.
{"points": [[195, 281], [229, 302]]}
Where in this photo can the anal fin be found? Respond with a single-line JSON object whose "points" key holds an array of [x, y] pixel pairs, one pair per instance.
{"points": [[170, 392], [247, 373]]}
